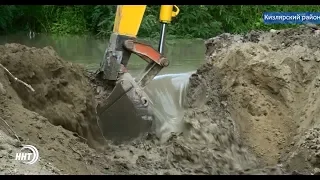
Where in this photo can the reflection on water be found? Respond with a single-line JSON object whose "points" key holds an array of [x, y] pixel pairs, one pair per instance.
{"points": [[184, 55]]}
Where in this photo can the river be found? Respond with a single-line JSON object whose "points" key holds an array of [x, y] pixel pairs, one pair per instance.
{"points": [[184, 55]]}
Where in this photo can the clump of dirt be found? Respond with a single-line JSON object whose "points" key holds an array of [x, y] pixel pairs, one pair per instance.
{"points": [[271, 81]]}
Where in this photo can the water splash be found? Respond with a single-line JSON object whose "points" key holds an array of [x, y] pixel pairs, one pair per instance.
{"points": [[167, 95]]}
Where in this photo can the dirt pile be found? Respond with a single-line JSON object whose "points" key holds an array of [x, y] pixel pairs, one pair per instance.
{"points": [[62, 91], [271, 81], [252, 109], [64, 98]]}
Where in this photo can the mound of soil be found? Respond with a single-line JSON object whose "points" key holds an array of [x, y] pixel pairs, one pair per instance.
{"points": [[251, 109], [271, 81], [62, 90], [65, 99]]}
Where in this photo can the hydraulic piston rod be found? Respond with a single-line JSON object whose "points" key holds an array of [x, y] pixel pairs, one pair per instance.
{"points": [[162, 38]]}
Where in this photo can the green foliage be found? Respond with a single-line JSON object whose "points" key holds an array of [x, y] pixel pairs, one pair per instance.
{"points": [[201, 21], [101, 20], [6, 21]]}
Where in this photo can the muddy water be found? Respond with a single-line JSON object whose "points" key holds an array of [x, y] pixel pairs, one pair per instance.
{"points": [[184, 55], [166, 92], [167, 95]]}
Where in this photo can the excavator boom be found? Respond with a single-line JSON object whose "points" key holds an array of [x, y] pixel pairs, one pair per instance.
{"points": [[126, 113]]}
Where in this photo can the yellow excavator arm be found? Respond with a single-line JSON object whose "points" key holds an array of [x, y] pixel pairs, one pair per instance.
{"points": [[129, 17], [123, 40], [126, 113]]}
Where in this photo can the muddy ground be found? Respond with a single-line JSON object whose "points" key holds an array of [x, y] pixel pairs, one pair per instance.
{"points": [[260, 113]]}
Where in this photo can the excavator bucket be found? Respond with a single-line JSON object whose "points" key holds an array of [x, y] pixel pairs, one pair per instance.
{"points": [[126, 113]]}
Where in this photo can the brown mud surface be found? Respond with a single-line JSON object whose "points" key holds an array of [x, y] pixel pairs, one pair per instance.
{"points": [[253, 108]]}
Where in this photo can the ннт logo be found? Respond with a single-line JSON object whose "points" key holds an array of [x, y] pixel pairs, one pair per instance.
{"points": [[27, 157]]}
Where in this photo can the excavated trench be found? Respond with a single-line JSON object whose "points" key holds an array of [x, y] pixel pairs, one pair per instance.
{"points": [[253, 108]]}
